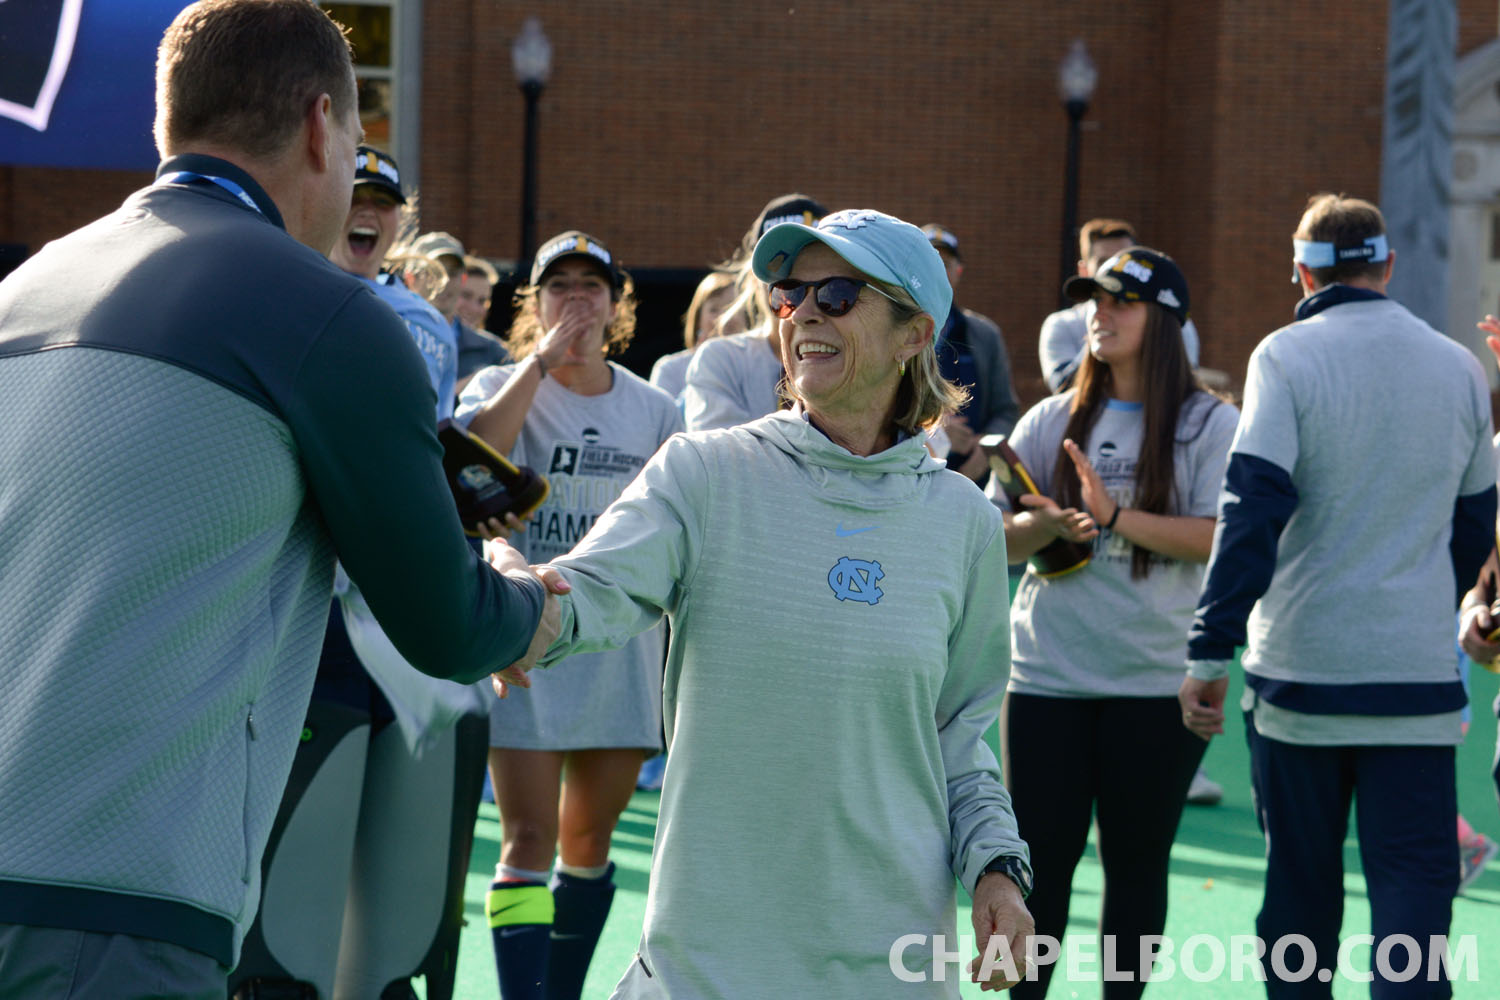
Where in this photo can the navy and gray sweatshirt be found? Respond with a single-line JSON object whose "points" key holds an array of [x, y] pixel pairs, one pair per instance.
{"points": [[1358, 502]]}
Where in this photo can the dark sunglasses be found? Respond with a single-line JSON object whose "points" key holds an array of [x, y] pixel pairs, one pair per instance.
{"points": [[833, 296]]}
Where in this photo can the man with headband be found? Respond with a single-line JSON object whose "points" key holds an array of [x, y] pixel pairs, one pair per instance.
{"points": [[1358, 503]]}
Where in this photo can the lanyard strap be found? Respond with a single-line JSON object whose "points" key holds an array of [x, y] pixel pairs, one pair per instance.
{"points": [[188, 176]]}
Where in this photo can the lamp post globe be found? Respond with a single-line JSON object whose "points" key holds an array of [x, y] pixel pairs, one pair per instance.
{"points": [[1076, 78], [531, 57]]}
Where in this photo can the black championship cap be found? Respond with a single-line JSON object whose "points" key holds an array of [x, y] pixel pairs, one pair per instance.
{"points": [[942, 239], [575, 244], [371, 166], [1139, 274], [789, 208]]}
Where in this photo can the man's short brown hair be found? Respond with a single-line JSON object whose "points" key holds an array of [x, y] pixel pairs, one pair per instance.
{"points": [[1095, 230], [1344, 222], [242, 74]]}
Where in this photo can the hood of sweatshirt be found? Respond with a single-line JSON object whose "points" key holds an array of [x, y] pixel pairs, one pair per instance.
{"points": [[887, 478]]}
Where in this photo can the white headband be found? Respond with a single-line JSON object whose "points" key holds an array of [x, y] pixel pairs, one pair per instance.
{"points": [[1310, 253]]}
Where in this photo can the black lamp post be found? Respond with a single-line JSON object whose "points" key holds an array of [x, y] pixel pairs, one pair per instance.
{"points": [[531, 56], [1076, 77]]}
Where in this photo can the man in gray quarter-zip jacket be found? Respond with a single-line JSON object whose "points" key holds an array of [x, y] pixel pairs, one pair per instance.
{"points": [[1358, 503], [186, 448]]}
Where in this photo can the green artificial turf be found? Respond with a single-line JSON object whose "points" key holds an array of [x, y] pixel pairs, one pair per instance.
{"points": [[1217, 870]]}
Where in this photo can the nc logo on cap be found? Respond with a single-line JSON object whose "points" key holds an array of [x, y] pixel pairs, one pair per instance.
{"points": [[849, 218]]}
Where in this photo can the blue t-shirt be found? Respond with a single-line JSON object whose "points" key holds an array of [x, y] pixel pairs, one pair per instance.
{"points": [[431, 333]]}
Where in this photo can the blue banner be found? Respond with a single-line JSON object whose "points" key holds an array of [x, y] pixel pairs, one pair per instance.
{"points": [[77, 81]]}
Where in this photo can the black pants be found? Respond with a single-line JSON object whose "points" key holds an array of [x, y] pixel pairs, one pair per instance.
{"points": [[1132, 760], [1407, 807]]}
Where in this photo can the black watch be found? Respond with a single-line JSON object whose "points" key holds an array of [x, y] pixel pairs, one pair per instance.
{"points": [[1011, 867]]}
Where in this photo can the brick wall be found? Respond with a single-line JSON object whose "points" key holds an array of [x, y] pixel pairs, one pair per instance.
{"points": [[668, 123], [38, 204], [666, 126]]}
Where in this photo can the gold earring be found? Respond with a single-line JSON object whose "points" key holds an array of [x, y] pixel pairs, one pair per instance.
{"points": [[900, 367]]}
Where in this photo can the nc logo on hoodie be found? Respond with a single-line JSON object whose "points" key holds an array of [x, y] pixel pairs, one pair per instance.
{"points": [[856, 579]]}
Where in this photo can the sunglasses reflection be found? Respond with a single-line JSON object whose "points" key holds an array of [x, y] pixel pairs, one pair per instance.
{"points": [[833, 296]]}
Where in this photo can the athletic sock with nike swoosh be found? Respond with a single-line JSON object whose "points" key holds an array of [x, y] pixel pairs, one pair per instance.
{"points": [[582, 907], [520, 915]]}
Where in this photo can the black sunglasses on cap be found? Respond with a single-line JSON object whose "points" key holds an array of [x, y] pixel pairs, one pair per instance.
{"points": [[833, 296]]}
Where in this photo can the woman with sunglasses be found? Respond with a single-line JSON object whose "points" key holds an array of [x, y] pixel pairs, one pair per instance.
{"points": [[564, 756], [1130, 460], [837, 653]]}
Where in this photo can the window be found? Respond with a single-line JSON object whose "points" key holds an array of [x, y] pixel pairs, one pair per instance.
{"points": [[385, 35]]}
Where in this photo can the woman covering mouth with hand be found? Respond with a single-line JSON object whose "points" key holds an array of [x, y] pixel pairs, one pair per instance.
{"points": [[564, 756], [1131, 459], [839, 646]]}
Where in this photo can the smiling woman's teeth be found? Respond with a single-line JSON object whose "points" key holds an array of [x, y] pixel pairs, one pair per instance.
{"points": [[805, 349]]}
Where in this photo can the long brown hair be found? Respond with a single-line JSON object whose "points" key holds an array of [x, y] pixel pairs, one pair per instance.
{"points": [[1169, 383]]}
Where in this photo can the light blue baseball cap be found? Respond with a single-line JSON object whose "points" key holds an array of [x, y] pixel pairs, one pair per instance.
{"points": [[874, 243]]}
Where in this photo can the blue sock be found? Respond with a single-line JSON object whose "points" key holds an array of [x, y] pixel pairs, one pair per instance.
{"points": [[582, 906], [520, 915]]}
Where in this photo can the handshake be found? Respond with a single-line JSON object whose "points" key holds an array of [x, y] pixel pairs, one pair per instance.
{"points": [[510, 562]]}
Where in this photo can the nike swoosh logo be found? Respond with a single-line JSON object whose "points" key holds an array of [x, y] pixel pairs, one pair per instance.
{"points": [[512, 931], [508, 906], [844, 532]]}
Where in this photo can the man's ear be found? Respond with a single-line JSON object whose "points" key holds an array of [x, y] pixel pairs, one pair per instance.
{"points": [[1304, 274], [1390, 266], [319, 132]]}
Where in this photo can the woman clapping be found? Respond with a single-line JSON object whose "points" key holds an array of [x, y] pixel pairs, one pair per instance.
{"points": [[1130, 460]]}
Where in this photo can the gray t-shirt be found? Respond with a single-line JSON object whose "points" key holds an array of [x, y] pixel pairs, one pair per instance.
{"points": [[589, 448], [669, 374], [732, 380], [1382, 423], [1065, 336], [1097, 632]]}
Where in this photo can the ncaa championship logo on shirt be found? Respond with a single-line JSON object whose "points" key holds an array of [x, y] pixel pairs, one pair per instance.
{"points": [[856, 580]]}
